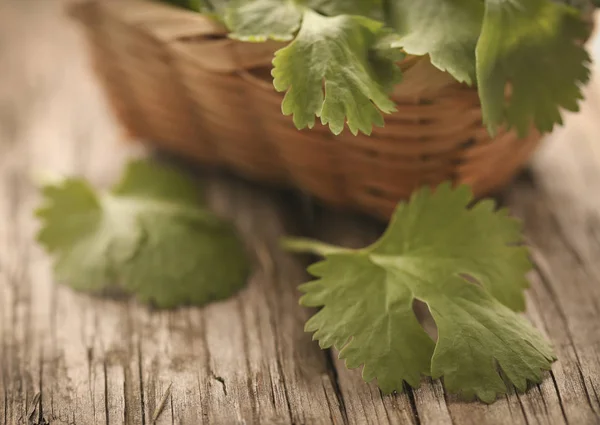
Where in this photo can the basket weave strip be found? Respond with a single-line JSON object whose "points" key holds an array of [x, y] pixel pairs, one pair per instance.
{"points": [[177, 81]]}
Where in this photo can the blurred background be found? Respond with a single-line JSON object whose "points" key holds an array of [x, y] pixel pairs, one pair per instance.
{"points": [[49, 95]]}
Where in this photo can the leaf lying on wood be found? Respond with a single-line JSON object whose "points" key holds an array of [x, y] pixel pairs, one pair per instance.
{"points": [[151, 235], [468, 267]]}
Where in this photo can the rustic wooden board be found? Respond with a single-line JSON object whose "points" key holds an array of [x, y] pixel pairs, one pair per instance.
{"points": [[67, 358]]}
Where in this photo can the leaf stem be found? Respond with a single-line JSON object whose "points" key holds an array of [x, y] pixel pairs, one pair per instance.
{"points": [[311, 246]]}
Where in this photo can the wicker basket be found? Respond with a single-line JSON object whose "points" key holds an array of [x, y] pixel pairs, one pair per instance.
{"points": [[175, 79]]}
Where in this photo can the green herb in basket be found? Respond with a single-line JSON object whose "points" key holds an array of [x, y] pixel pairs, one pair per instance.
{"points": [[341, 61]]}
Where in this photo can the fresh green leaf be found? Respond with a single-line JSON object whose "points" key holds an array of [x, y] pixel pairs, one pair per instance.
{"points": [[346, 55], [585, 6], [195, 5], [529, 49], [466, 264], [260, 20], [150, 235], [369, 8], [214, 9], [535, 46], [446, 30]]}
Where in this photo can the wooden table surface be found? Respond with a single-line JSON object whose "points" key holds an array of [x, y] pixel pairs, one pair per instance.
{"points": [[67, 358]]}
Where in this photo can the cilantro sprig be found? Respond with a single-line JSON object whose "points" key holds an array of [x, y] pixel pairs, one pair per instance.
{"points": [[354, 58], [533, 45], [446, 30], [468, 265], [151, 235], [332, 68]]}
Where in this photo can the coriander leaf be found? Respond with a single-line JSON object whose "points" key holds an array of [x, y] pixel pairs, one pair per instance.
{"points": [[365, 307], [79, 233], [585, 6], [533, 45], [279, 20], [465, 264], [214, 9], [145, 179], [369, 8], [193, 263], [475, 333], [447, 30], [195, 5], [150, 235], [337, 52], [259, 20]]}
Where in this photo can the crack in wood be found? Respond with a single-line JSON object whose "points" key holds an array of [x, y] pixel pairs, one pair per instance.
{"points": [[596, 396], [249, 385], [276, 342], [584, 386], [220, 380], [33, 407], [413, 405], [105, 382], [141, 381], [336, 384], [560, 402], [125, 384], [522, 407], [539, 388], [41, 387], [172, 409], [161, 405]]}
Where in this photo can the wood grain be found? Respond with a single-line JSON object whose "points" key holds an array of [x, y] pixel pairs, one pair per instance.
{"points": [[66, 358]]}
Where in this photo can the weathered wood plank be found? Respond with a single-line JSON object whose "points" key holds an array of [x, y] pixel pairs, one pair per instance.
{"points": [[105, 361], [72, 359]]}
